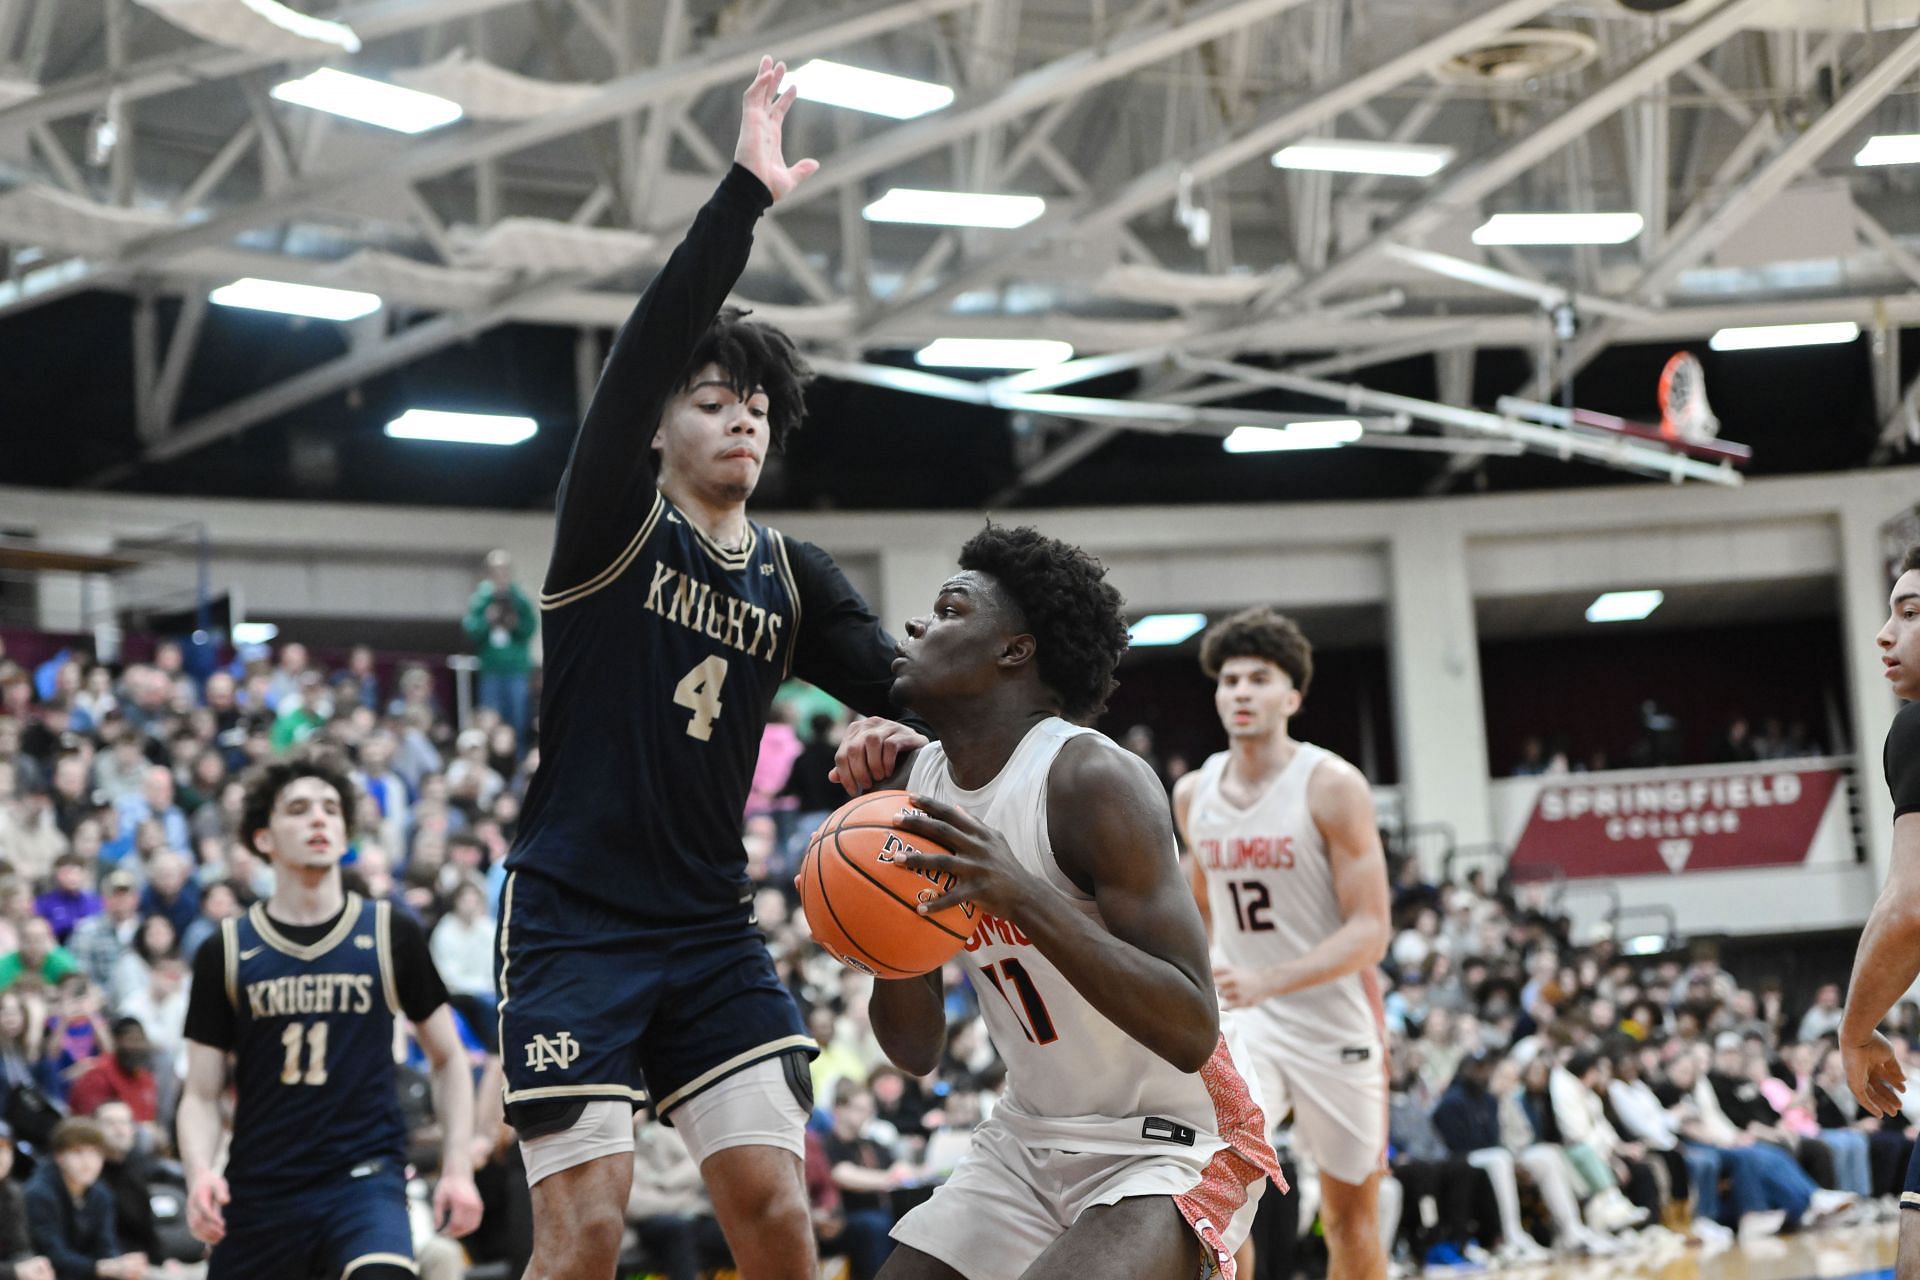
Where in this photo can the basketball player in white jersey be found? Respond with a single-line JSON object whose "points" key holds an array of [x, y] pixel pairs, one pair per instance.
{"points": [[1286, 861], [1127, 1144]]}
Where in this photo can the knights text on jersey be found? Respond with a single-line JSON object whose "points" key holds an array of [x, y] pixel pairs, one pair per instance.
{"points": [[659, 677], [313, 1051]]}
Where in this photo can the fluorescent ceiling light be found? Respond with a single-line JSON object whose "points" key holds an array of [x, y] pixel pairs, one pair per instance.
{"points": [[954, 208], [254, 632], [1559, 228], [1889, 148], [296, 299], [1339, 155], [1624, 606], [1328, 434], [993, 353], [461, 428], [369, 101], [1759, 336], [1164, 628], [839, 85]]}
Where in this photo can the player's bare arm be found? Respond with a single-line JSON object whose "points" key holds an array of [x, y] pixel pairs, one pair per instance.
{"points": [[909, 1018], [198, 1124], [1189, 865], [456, 1202], [1886, 965], [1342, 808], [1107, 820]]}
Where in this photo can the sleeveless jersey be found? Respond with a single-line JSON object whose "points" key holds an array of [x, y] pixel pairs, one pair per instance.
{"points": [[313, 1051], [1075, 1081], [1270, 890], [660, 674]]}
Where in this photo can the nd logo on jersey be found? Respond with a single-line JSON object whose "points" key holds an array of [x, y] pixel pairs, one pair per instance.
{"points": [[556, 1051]]}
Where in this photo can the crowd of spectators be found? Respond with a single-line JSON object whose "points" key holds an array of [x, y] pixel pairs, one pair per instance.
{"points": [[1661, 743], [1545, 1097]]}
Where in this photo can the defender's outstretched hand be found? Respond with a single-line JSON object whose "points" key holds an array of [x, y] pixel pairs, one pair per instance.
{"points": [[761, 115]]}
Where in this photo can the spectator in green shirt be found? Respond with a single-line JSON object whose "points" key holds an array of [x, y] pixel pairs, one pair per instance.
{"points": [[501, 622], [39, 954]]}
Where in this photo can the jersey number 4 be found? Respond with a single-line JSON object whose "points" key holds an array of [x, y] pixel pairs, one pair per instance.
{"points": [[1038, 1024], [314, 1036], [699, 692]]}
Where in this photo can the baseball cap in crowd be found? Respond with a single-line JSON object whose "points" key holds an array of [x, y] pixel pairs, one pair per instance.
{"points": [[1727, 1040], [118, 879]]}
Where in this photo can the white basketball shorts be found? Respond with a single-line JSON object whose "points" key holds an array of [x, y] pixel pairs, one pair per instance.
{"points": [[1336, 1092]]}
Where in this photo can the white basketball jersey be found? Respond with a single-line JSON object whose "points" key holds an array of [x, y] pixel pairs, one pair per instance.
{"points": [[1270, 891], [1075, 1081]]}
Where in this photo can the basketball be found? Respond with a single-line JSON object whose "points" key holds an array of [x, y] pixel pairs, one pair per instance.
{"points": [[862, 904]]}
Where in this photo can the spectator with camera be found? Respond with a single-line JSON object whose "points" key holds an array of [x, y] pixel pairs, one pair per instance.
{"points": [[501, 622]]}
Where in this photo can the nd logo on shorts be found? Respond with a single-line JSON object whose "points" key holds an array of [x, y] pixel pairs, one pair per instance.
{"points": [[556, 1051]]}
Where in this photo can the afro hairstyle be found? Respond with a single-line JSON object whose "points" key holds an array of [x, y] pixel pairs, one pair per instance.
{"points": [[1071, 610]]}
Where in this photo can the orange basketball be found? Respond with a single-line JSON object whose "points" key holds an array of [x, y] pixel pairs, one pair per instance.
{"points": [[862, 905]]}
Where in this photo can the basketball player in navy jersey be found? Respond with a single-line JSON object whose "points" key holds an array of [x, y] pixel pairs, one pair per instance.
{"points": [[302, 993], [630, 968], [1888, 960], [1128, 1143]]}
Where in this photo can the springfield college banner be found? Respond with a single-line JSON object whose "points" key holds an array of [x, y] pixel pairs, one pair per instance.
{"points": [[1666, 822]]}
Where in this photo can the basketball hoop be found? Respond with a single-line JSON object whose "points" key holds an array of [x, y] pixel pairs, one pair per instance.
{"points": [[1684, 411]]}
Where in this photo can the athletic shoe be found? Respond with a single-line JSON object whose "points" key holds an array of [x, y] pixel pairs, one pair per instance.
{"points": [[1824, 1205], [1523, 1251], [1709, 1232], [1762, 1223], [1473, 1253]]}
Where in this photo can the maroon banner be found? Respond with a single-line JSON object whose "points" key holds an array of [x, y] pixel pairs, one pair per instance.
{"points": [[1757, 816]]}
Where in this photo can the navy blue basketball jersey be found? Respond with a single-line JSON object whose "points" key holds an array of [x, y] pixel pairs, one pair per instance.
{"points": [[659, 678], [313, 1050]]}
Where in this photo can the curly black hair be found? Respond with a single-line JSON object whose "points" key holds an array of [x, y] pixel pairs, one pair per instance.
{"points": [[756, 355], [264, 783], [1259, 632], [1071, 609]]}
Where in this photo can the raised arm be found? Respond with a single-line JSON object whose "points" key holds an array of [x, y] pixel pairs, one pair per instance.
{"points": [[1342, 808], [1146, 970], [607, 490]]}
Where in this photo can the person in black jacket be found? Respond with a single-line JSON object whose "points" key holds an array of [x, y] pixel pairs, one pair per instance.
{"points": [[71, 1213], [18, 1261], [127, 1176]]}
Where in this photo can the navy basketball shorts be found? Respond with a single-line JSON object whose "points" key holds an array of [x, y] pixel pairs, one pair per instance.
{"points": [[596, 1005], [335, 1229], [1910, 1194]]}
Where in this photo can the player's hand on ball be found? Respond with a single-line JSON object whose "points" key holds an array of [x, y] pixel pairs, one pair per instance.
{"points": [[1874, 1075], [205, 1205], [983, 868], [762, 113], [869, 752], [1239, 986], [456, 1207]]}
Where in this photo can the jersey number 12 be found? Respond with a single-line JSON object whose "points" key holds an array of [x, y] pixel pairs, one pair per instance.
{"points": [[699, 692], [1252, 910]]}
